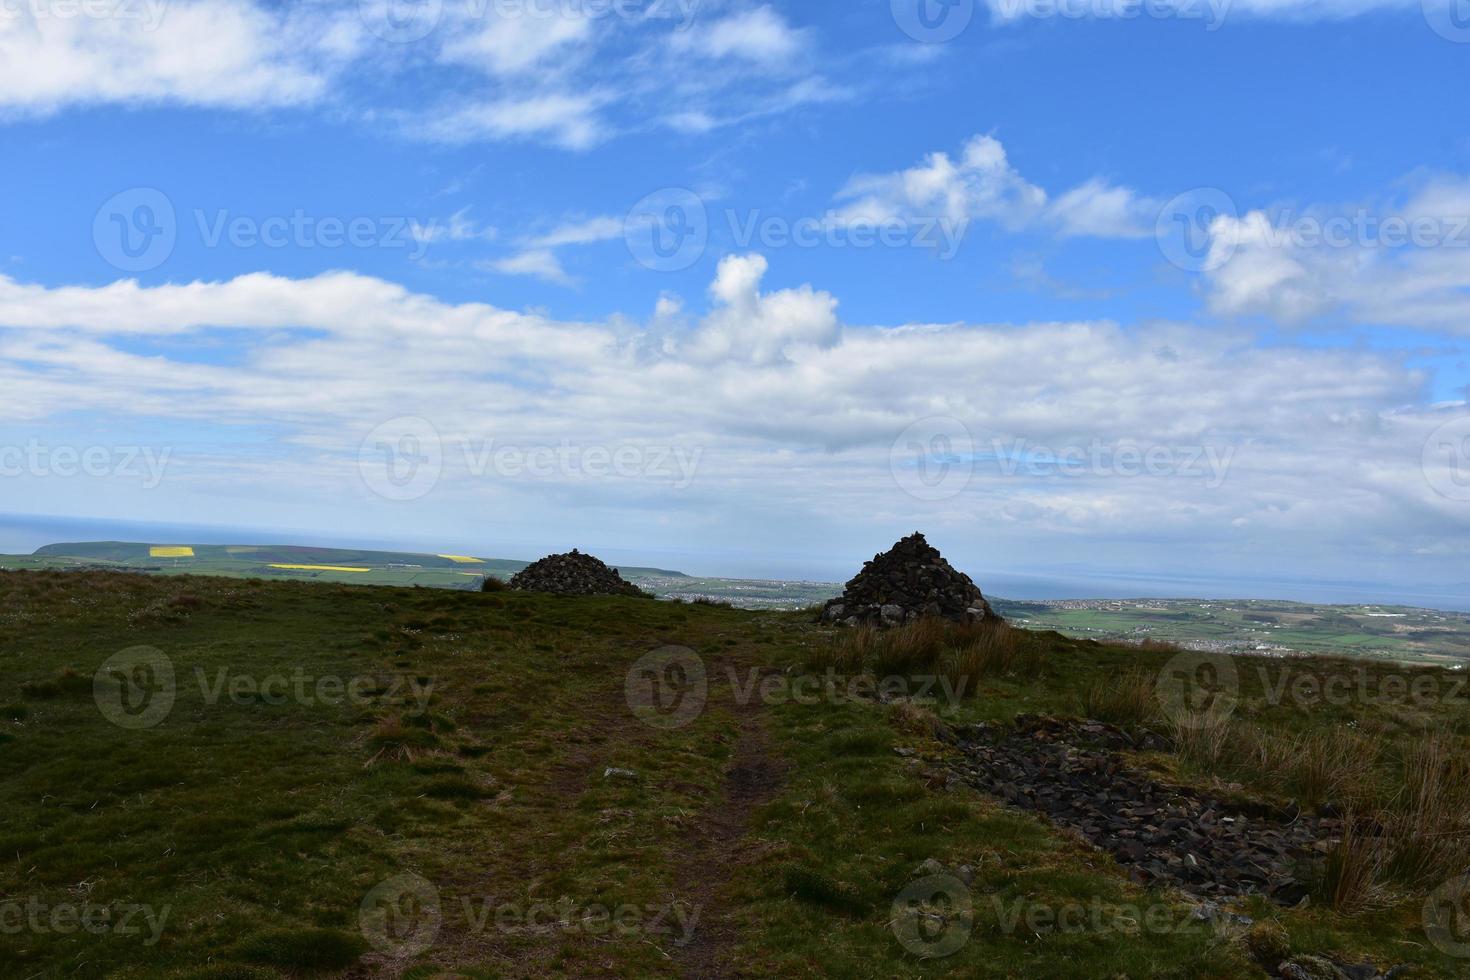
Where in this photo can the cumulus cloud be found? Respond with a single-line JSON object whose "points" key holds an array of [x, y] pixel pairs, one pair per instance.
{"points": [[1399, 263], [982, 185], [222, 53], [782, 400]]}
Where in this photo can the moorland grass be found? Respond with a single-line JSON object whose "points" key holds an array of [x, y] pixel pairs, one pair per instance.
{"points": [[262, 824]]}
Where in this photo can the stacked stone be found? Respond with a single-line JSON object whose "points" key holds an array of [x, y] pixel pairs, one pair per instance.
{"points": [[572, 574], [908, 582]]}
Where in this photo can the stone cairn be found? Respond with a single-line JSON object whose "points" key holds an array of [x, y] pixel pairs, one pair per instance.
{"points": [[572, 574], [909, 581]]}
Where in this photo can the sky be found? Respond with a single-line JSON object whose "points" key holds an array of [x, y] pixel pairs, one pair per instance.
{"points": [[1154, 291]]}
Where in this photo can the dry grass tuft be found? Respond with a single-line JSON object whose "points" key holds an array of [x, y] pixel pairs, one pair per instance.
{"points": [[1127, 701]]}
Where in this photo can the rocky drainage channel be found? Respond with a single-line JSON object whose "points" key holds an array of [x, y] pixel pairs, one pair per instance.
{"points": [[1071, 772]]}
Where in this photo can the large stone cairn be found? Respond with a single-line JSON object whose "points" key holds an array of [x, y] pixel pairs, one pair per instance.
{"points": [[909, 581], [572, 574]]}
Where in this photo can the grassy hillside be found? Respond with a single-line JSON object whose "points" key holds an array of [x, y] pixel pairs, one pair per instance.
{"points": [[348, 781]]}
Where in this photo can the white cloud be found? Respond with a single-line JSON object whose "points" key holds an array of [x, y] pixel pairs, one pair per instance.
{"points": [[760, 35], [226, 53], [1397, 263], [983, 185], [570, 121], [1212, 12], [511, 45], [538, 257], [538, 263], [787, 405]]}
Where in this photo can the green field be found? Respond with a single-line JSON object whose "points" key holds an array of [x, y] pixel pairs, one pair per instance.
{"points": [[357, 566], [492, 801], [1401, 633]]}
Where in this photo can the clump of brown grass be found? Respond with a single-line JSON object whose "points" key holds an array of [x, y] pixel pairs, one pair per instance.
{"points": [[915, 646], [1354, 878], [1335, 766], [1128, 700], [959, 652]]}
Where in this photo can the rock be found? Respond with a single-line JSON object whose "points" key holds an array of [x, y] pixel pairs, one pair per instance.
{"points": [[612, 772], [1310, 968], [572, 574], [930, 867], [909, 581], [1165, 835]]}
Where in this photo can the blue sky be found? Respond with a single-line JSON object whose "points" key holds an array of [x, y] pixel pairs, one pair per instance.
{"points": [[907, 273]]}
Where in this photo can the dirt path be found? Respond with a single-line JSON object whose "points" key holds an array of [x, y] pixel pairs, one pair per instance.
{"points": [[718, 850]]}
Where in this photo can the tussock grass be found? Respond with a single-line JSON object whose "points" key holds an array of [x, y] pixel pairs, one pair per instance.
{"points": [[1127, 701], [960, 653]]}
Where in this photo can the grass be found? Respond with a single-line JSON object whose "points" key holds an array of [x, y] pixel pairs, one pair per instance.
{"points": [[473, 754]]}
